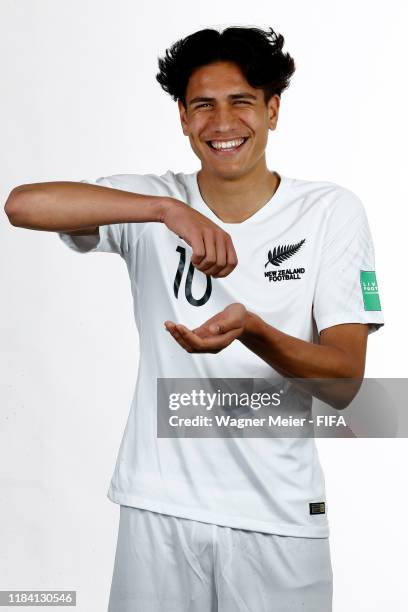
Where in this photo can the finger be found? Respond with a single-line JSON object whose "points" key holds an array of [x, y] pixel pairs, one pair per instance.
{"points": [[171, 327], [232, 259], [180, 339], [216, 328], [222, 326], [198, 247], [204, 327], [201, 332], [221, 255], [168, 325], [210, 252], [210, 328], [204, 332], [207, 344], [189, 337]]}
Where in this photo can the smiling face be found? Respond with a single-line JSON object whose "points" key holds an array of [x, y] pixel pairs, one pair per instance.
{"points": [[227, 120]]}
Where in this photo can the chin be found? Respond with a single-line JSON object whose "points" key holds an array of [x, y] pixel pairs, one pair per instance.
{"points": [[226, 173]]}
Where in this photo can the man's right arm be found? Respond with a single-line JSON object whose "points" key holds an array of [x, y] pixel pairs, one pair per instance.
{"points": [[80, 208], [75, 207]]}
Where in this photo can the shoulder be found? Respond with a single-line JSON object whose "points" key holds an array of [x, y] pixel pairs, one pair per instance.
{"points": [[167, 184], [330, 197]]}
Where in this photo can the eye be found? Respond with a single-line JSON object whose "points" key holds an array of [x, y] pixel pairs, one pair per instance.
{"points": [[203, 104], [241, 102]]}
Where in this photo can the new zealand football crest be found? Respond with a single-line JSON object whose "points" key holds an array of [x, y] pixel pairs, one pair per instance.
{"points": [[280, 254]]}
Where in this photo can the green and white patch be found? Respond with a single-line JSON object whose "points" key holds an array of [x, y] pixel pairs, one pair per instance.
{"points": [[369, 288]]}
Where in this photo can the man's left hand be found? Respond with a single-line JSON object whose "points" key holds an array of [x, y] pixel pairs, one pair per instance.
{"points": [[215, 334]]}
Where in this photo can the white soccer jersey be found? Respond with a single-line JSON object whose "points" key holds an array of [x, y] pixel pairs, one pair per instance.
{"points": [[325, 278]]}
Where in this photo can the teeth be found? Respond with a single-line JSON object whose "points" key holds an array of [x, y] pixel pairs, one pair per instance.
{"points": [[227, 144]]}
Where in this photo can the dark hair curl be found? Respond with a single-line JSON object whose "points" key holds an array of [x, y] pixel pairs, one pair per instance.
{"points": [[257, 52]]}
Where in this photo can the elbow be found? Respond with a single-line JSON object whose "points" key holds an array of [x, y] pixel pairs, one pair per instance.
{"points": [[346, 392], [13, 204], [18, 203], [348, 383], [341, 405]]}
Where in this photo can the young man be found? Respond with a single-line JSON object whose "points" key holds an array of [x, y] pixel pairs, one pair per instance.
{"points": [[236, 271]]}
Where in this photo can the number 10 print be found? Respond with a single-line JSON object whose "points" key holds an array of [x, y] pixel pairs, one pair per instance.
{"points": [[189, 280]]}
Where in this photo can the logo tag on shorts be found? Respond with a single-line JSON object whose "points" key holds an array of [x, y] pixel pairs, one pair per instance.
{"points": [[317, 508], [369, 288]]}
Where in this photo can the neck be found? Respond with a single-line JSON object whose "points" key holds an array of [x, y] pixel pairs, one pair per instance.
{"points": [[235, 200]]}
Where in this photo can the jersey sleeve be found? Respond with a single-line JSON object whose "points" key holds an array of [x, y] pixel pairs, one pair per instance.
{"points": [[114, 238], [346, 289]]}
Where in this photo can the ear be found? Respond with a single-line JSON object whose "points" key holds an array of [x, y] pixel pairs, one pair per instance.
{"points": [[183, 117], [273, 111]]}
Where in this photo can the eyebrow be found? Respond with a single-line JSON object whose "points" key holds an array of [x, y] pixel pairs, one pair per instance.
{"points": [[235, 96]]}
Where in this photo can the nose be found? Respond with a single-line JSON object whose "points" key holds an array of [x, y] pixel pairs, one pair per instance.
{"points": [[222, 119]]}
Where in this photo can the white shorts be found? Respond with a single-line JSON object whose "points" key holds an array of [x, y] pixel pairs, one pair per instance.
{"points": [[169, 564]]}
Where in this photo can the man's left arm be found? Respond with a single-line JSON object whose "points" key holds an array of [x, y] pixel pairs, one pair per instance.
{"points": [[340, 354], [341, 351]]}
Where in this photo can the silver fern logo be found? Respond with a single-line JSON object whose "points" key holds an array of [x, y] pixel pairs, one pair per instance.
{"points": [[280, 254]]}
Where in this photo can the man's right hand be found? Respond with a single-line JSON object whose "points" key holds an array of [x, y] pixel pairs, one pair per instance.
{"points": [[213, 251]]}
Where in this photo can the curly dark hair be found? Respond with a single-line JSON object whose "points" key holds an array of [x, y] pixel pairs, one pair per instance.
{"points": [[258, 53]]}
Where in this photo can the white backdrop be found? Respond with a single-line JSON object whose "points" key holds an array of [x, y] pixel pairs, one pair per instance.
{"points": [[79, 100]]}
